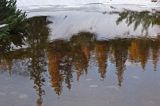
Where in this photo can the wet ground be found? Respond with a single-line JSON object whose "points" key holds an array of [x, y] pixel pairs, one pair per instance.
{"points": [[83, 58]]}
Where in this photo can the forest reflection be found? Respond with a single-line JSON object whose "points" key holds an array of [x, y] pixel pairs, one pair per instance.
{"points": [[62, 58], [68, 57]]}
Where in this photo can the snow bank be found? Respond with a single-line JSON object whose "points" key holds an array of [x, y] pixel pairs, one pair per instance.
{"points": [[73, 16], [67, 23], [31, 4]]}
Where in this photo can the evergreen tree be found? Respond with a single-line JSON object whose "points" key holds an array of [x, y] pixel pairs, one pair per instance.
{"points": [[12, 25]]}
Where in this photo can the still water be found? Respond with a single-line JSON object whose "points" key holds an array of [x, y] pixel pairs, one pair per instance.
{"points": [[88, 68]]}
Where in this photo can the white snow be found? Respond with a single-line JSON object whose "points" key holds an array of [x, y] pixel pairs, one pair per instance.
{"points": [[3, 25], [67, 23], [32, 4], [73, 16]]}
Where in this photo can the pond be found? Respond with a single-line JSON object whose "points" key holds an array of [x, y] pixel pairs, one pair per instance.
{"points": [[83, 57]]}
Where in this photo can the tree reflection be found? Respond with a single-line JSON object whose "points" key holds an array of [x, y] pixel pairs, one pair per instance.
{"points": [[74, 55], [155, 52], [37, 40], [63, 58], [81, 45], [120, 53], [102, 49], [68, 57], [34, 56], [55, 73]]}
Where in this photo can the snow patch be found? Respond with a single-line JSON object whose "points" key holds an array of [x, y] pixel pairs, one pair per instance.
{"points": [[72, 3], [3, 25]]}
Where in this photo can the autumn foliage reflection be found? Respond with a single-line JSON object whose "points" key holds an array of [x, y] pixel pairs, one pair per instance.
{"points": [[68, 57], [74, 56]]}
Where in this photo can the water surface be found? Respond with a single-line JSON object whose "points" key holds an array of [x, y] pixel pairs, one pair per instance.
{"points": [[110, 62]]}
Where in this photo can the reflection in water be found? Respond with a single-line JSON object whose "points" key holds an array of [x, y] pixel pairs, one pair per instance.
{"points": [[101, 49], [120, 53], [66, 57], [62, 58], [34, 56], [37, 41]]}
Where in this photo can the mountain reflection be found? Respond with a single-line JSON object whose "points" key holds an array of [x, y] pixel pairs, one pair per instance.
{"points": [[61, 58]]}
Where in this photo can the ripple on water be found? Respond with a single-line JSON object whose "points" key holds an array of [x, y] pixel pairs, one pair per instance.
{"points": [[93, 86], [23, 96]]}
